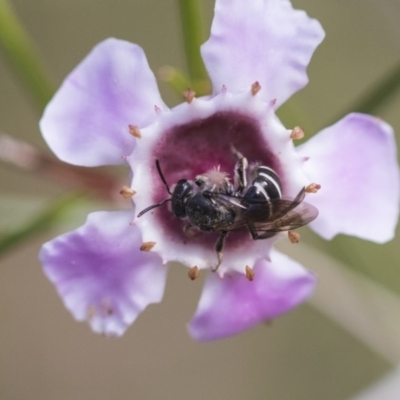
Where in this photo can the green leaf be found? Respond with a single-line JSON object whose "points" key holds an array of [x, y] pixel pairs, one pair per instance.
{"points": [[379, 94], [20, 52], [47, 218]]}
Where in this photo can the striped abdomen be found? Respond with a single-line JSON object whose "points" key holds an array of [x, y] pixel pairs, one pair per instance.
{"points": [[266, 186]]}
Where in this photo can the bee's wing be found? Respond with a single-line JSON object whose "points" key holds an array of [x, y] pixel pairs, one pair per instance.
{"points": [[266, 216], [299, 215]]}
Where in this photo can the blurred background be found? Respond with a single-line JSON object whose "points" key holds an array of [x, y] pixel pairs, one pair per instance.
{"points": [[344, 344]]}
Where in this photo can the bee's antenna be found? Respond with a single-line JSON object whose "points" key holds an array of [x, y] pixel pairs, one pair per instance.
{"points": [[168, 190], [151, 207], [162, 177]]}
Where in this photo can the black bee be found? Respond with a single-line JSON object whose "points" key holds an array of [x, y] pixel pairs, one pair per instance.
{"points": [[210, 203]]}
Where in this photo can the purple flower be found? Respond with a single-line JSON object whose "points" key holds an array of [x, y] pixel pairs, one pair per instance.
{"points": [[101, 271]]}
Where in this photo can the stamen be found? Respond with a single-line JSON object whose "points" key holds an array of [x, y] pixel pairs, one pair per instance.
{"points": [[312, 188], [134, 131], [255, 88], [223, 89], [147, 246], [193, 273], [126, 192], [157, 110], [294, 237], [249, 273], [189, 95], [297, 133]]}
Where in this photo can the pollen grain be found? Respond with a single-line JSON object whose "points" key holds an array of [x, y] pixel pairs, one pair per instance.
{"points": [[255, 88], [297, 133], [312, 188], [134, 131], [294, 237], [193, 273], [250, 273], [147, 246], [189, 95], [126, 192]]}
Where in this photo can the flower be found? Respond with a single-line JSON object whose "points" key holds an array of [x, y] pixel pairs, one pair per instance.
{"points": [[109, 111]]}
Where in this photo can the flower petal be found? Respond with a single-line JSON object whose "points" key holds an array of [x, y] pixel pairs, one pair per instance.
{"points": [[230, 305], [265, 41], [86, 123], [101, 275], [356, 164]]}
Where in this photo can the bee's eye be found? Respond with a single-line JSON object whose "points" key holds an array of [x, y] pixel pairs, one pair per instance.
{"points": [[199, 182]]}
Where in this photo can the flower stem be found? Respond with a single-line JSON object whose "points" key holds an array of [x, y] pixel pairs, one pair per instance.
{"points": [[21, 53], [380, 93], [26, 157], [46, 219], [179, 82], [175, 78], [193, 37]]}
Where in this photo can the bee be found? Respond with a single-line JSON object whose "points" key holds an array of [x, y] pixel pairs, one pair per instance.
{"points": [[254, 202]]}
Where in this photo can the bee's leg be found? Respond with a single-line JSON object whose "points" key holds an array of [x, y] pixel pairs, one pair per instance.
{"points": [[255, 235], [218, 247], [240, 171], [190, 230]]}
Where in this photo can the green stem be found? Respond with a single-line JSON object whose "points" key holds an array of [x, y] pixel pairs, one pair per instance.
{"points": [[175, 78], [193, 37], [38, 224], [21, 53], [380, 93]]}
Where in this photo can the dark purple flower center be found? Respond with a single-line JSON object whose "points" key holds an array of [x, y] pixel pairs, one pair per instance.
{"points": [[199, 146]]}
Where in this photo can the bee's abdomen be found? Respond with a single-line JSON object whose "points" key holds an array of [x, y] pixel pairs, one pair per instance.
{"points": [[266, 185]]}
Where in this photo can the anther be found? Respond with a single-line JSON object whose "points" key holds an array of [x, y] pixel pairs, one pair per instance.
{"points": [[157, 109], [193, 273], [147, 246], [294, 237], [312, 188], [255, 88], [249, 273], [189, 95], [297, 133], [134, 131], [223, 89], [126, 192]]}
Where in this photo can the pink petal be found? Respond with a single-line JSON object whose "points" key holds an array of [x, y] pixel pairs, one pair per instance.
{"points": [[86, 123], [230, 305], [260, 40], [100, 273], [355, 162]]}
